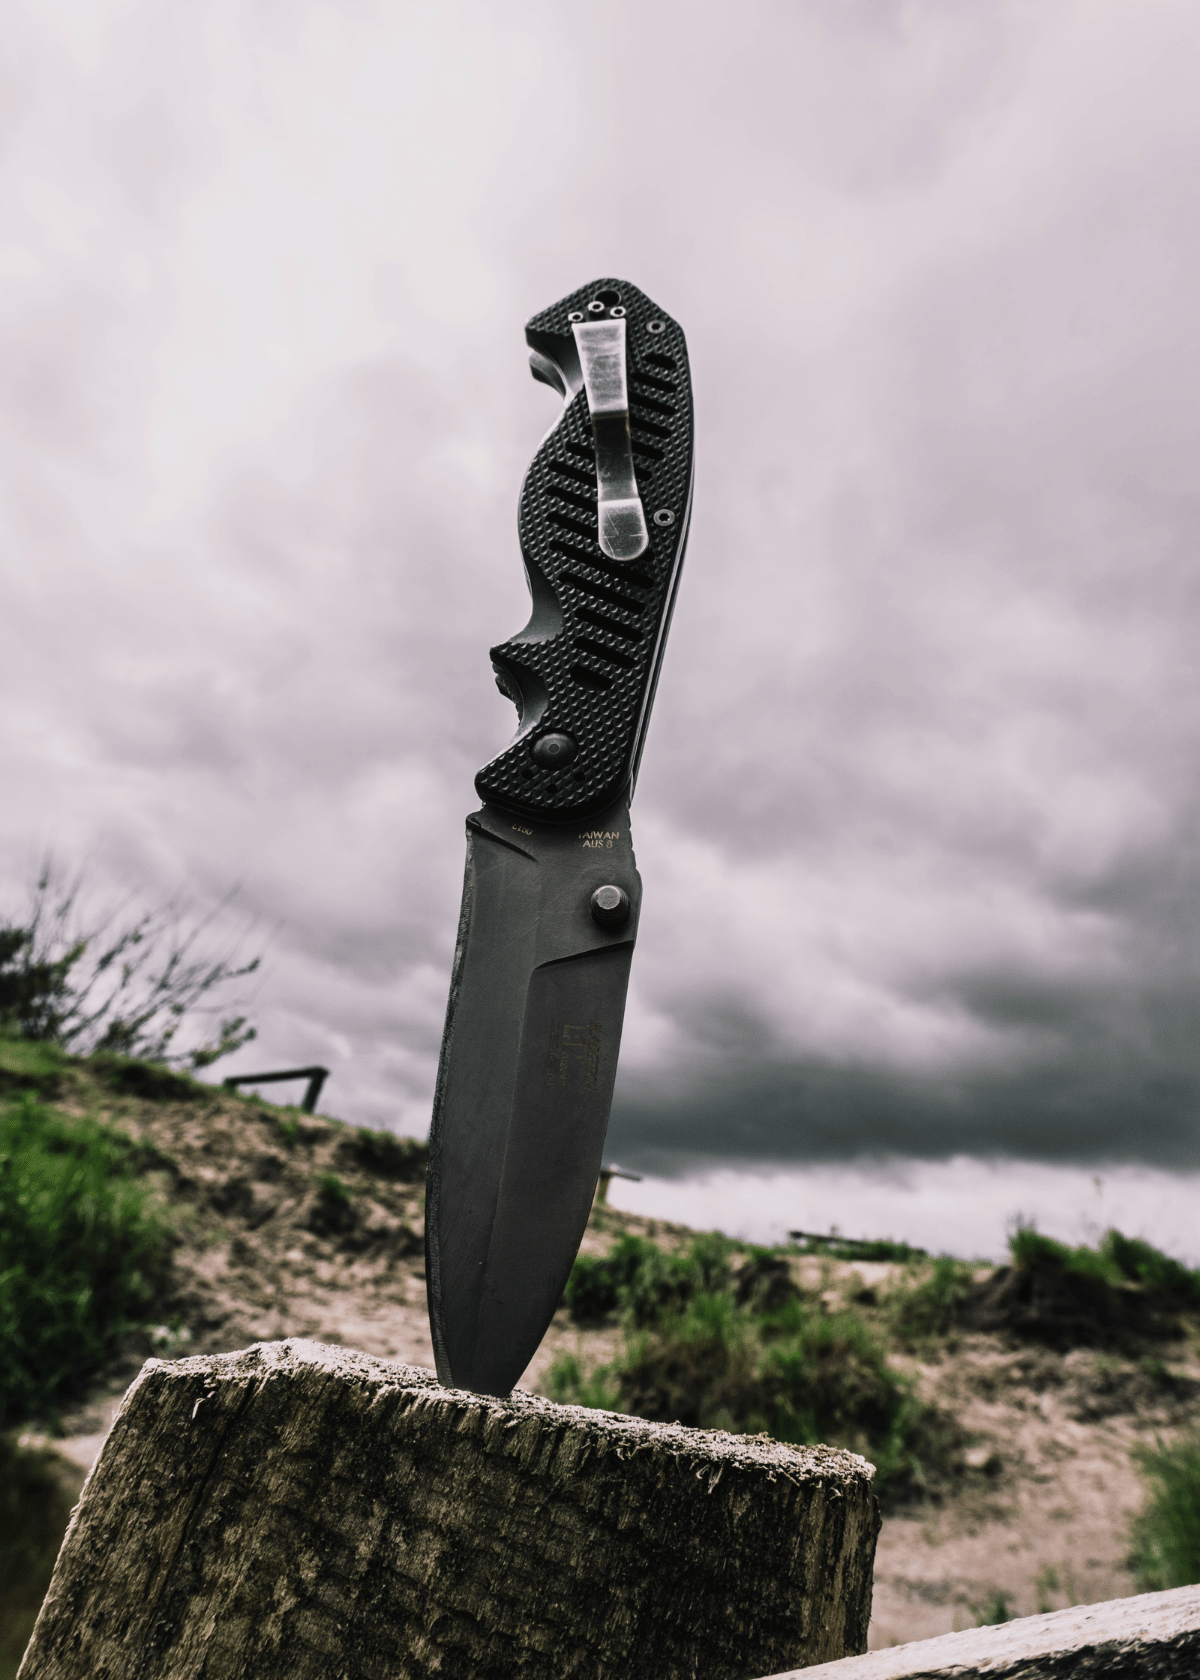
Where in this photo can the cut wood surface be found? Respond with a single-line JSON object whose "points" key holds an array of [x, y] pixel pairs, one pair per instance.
{"points": [[297, 1510], [1154, 1636]]}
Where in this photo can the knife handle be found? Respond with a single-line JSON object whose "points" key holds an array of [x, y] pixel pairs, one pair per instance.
{"points": [[603, 524]]}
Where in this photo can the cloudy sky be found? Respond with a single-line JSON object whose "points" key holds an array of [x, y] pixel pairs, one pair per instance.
{"points": [[917, 819]]}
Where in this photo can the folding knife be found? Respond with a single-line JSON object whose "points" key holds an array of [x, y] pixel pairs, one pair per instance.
{"points": [[552, 893]]}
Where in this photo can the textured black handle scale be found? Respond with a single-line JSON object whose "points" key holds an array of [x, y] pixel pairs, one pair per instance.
{"points": [[586, 664]]}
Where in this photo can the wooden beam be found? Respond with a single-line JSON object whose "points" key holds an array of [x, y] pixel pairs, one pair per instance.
{"points": [[1155, 1636]]}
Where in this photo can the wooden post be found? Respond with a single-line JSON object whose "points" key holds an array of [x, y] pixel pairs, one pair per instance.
{"points": [[607, 1174], [297, 1510]]}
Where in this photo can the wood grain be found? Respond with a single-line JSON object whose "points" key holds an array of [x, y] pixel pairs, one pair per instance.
{"points": [[297, 1510], [1152, 1636]]}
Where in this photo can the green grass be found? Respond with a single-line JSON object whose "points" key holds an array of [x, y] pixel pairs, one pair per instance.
{"points": [[571, 1385], [997, 1609], [1028, 1247], [35, 1504], [1140, 1263], [287, 1130], [333, 1213], [25, 1064], [1166, 1534], [82, 1252], [691, 1353], [597, 1284], [148, 1080], [401, 1159], [927, 1309], [1047, 1584], [1117, 1260], [643, 1281]]}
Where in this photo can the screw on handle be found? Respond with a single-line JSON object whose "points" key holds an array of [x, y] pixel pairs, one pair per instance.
{"points": [[610, 907]]}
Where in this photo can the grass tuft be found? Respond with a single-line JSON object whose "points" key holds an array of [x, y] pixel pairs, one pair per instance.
{"points": [[1029, 1249], [641, 1280], [569, 1384], [30, 1066], [1118, 1260], [82, 1252], [400, 1159], [35, 1506], [333, 1213], [1136, 1260], [997, 1609], [148, 1080], [927, 1309], [1166, 1534]]}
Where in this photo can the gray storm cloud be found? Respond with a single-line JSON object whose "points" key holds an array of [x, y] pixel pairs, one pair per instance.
{"points": [[917, 818]]}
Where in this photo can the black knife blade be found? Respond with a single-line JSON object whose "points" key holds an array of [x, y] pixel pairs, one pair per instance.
{"points": [[551, 895]]}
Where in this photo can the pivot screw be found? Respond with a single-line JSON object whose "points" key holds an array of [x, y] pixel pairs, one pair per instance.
{"points": [[656, 326], [610, 907], [554, 751], [664, 516]]}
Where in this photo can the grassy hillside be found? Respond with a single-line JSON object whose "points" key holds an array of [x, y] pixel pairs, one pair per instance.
{"points": [[142, 1212], [1012, 1412]]}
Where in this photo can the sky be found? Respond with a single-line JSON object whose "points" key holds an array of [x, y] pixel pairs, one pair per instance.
{"points": [[917, 817]]}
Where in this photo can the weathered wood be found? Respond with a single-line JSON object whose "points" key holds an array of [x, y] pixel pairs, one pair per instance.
{"points": [[1155, 1636], [297, 1510]]}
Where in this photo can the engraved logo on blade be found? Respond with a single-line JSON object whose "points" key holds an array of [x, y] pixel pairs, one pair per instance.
{"points": [[574, 1054]]}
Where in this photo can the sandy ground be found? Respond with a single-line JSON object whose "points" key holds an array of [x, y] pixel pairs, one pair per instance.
{"points": [[1042, 1515], [1046, 1521]]}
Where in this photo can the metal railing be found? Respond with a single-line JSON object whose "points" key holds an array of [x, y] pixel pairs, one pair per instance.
{"points": [[316, 1077]]}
